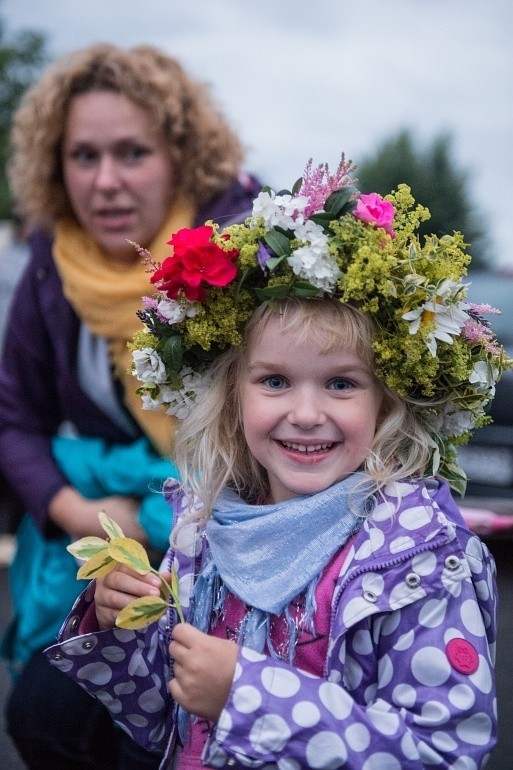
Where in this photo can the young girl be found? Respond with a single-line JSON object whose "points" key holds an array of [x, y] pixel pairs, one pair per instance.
{"points": [[339, 612]]}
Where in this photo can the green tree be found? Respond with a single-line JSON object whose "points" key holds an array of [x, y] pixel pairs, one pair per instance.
{"points": [[435, 181], [21, 59]]}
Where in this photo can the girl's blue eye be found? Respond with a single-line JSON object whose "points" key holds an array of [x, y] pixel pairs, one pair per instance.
{"points": [[340, 384], [275, 382]]}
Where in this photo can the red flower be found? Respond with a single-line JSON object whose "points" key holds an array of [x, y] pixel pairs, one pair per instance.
{"points": [[196, 261]]}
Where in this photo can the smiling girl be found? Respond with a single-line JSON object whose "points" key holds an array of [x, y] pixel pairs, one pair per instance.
{"points": [[339, 612]]}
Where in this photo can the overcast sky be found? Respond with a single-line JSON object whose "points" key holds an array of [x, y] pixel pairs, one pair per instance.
{"points": [[312, 78]]}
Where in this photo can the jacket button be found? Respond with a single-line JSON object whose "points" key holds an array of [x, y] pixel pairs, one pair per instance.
{"points": [[412, 580], [452, 563], [369, 596], [88, 645], [57, 656], [73, 624]]}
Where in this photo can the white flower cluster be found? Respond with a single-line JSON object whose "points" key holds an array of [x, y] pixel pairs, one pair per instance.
{"points": [[148, 366], [172, 312], [452, 420], [311, 261], [177, 402]]}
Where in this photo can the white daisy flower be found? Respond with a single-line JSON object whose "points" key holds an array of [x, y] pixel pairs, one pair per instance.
{"points": [[448, 320]]}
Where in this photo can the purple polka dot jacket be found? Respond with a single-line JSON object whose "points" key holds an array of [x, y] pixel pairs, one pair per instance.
{"points": [[408, 680]]}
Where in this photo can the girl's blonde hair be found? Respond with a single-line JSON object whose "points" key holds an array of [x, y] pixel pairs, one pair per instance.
{"points": [[211, 450], [205, 153]]}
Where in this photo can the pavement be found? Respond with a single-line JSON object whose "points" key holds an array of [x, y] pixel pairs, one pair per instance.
{"points": [[9, 757]]}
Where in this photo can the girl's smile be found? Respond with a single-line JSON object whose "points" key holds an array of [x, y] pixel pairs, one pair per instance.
{"points": [[309, 416]]}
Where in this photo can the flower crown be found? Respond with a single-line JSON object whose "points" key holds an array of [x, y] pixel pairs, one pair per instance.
{"points": [[325, 239]]}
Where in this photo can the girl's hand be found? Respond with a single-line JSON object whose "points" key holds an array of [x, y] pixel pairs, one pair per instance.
{"points": [[204, 667], [119, 588]]}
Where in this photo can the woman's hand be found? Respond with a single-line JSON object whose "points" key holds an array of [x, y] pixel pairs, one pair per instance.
{"points": [[204, 667], [119, 588], [78, 516]]}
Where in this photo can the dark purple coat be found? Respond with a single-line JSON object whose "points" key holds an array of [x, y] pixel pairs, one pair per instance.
{"points": [[39, 387]]}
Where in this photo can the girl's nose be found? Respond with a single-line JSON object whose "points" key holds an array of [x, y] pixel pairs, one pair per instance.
{"points": [[306, 410], [107, 177]]}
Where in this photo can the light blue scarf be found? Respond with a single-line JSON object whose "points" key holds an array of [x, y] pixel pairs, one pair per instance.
{"points": [[269, 554]]}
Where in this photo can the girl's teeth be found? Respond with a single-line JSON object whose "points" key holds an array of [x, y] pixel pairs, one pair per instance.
{"points": [[306, 448]]}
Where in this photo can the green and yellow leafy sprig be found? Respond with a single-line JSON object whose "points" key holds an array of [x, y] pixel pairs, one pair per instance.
{"points": [[100, 556]]}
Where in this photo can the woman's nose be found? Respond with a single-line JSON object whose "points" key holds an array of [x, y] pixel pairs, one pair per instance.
{"points": [[107, 177]]}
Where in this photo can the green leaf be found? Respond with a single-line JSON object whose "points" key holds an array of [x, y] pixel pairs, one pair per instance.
{"points": [[172, 353], [273, 292], [305, 290], [129, 552], [322, 219], [278, 242], [273, 262], [110, 526], [87, 547], [165, 590], [97, 566], [141, 612], [297, 186], [337, 203], [174, 583]]}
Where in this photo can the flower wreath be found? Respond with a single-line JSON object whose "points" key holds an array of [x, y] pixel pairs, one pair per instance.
{"points": [[324, 238]]}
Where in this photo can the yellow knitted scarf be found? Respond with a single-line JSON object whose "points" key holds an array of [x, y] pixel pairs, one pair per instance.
{"points": [[106, 295]]}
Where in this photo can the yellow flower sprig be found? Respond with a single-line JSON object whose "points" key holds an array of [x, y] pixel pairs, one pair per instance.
{"points": [[100, 557]]}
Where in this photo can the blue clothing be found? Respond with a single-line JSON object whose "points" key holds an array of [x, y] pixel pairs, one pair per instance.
{"points": [[42, 575]]}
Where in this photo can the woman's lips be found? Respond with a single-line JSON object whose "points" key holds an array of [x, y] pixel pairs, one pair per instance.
{"points": [[115, 219]]}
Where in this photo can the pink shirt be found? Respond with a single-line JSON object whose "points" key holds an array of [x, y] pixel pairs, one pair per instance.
{"points": [[310, 653]]}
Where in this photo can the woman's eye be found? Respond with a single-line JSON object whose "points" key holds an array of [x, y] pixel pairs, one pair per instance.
{"points": [[83, 156], [275, 382], [133, 154]]}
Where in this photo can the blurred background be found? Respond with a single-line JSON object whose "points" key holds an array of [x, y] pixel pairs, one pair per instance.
{"points": [[411, 90]]}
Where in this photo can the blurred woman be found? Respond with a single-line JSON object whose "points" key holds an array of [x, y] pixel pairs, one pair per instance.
{"points": [[110, 148]]}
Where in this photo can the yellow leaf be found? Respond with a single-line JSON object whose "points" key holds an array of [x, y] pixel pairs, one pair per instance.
{"points": [[164, 590], [174, 582], [97, 566], [87, 547], [131, 553], [141, 612], [110, 526]]}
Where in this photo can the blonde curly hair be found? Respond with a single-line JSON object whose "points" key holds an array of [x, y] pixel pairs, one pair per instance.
{"points": [[211, 449], [206, 154]]}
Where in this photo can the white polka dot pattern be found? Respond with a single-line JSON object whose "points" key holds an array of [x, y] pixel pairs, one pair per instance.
{"points": [[392, 694]]}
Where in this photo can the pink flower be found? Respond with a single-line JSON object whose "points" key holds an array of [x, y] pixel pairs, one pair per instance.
{"points": [[374, 209]]}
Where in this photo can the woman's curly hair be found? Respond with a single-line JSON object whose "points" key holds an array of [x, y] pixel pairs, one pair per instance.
{"points": [[206, 154]]}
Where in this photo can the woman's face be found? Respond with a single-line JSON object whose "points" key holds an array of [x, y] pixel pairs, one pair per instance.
{"points": [[117, 172]]}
